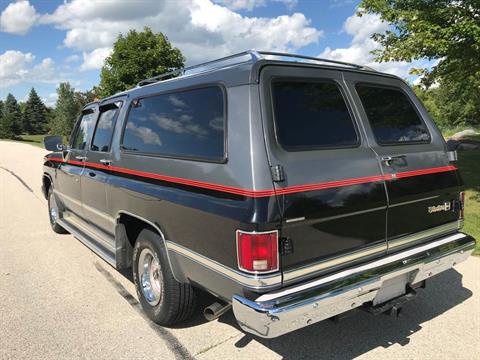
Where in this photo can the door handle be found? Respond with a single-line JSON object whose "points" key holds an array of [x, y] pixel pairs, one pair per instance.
{"points": [[106, 162], [81, 158], [389, 158]]}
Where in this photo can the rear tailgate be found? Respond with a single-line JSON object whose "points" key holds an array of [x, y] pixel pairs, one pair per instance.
{"points": [[423, 186], [332, 194]]}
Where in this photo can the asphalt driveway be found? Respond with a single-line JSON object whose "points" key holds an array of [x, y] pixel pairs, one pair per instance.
{"points": [[59, 300]]}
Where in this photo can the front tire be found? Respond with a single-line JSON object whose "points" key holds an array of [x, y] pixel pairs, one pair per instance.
{"points": [[54, 213], [164, 299]]}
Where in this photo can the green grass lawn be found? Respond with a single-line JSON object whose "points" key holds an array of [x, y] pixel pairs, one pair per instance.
{"points": [[469, 164], [36, 140]]}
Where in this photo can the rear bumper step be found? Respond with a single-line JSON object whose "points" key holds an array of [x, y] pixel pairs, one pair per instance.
{"points": [[282, 311]]}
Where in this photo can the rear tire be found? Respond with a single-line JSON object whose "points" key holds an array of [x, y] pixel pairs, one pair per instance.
{"points": [[54, 213], [164, 299]]}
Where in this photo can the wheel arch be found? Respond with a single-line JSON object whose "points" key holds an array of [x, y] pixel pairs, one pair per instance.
{"points": [[128, 228]]}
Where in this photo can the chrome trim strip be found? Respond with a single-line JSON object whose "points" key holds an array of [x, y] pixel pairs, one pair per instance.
{"points": [[69, 198], [423, 235], [87, 207], [359, 269], [414, 201], [294, 274], [271, 317], [288, 221], [107, 217], [252, 281], [341, 216]]}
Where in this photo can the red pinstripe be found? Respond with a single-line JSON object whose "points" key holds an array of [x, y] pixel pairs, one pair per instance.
{"points": [[262, 193]]}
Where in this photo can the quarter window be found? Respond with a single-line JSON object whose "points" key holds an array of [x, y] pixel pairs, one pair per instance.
{"points": [[391, 115], [311, 115], [84, 130], [105, 125], [187, 124]]}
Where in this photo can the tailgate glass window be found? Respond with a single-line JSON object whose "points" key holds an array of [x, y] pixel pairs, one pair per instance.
{"points": [[311, 115], [391, 115]]}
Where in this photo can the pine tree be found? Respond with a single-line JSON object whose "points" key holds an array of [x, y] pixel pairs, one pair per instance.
{"points": [[66, 110], [11, 121], [34, 116]]}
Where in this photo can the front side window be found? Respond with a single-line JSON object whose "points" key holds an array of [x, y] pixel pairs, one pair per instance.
{"points": [[105, 125], [391, 115], [311, 115], [84, 130], [187, 124]]}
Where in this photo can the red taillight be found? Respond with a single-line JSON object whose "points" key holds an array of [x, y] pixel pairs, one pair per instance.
{"points": [[257, 252], [462, 204]]}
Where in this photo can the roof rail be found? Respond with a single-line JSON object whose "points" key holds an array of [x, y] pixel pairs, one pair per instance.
{"points": [[251, 56]]}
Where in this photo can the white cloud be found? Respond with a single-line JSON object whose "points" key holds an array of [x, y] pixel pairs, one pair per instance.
{"points": [[18, 17], [94, 59], [201, 29], [361, 29], [72, 58], [17, 67], [241, 4], [50, 100]]}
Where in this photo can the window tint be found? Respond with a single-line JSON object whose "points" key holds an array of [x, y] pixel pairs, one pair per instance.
{"points": [[311, 115], [391, 115], [84, 130], [184, 124], [105, 125]]}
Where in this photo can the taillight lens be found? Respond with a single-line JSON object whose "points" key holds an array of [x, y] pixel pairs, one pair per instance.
{"points": [[462, 204], [257, 252]]}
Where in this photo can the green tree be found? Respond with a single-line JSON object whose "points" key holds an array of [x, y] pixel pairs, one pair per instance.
{"points": [[137, 56], [447, 31], [34, 114], [85, 97], [66, 110], [10, 126]]}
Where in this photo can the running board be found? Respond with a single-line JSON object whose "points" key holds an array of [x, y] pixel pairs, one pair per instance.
{"points": [[89, 241]]}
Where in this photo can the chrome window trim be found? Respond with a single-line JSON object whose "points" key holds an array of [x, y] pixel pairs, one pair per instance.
{"points": [[251, 281]]}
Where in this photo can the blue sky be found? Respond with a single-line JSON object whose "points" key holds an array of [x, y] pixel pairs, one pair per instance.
{"points": [[45, 42]]}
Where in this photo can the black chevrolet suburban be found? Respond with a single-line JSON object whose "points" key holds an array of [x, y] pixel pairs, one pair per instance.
{"points": [[292, 188]]}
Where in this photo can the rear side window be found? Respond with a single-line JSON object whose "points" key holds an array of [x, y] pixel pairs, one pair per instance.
{"points": [[187, 124], [391, 115], [84, 130], [105, 125], [311, 115]]}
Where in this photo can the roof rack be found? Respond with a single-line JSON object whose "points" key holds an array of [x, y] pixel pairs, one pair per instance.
{"points": [[249, 56]]}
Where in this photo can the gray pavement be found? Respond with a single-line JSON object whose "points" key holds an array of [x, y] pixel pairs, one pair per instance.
{"points": [[58, 300]]}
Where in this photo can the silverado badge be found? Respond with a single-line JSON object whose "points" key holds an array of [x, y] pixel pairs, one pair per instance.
{"points": [[444, 207]]}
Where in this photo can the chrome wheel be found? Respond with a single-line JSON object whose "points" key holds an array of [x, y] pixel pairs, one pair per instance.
{"points": [[150, 276]]}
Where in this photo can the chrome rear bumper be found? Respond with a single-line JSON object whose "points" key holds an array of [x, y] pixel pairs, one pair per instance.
{"points": [[285, 310]]}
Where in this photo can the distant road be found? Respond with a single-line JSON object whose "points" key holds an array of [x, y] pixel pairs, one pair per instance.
{"points": [[58, 300]]}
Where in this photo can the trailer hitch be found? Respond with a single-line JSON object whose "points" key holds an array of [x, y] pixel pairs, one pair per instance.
{"points": [[394, 306]]}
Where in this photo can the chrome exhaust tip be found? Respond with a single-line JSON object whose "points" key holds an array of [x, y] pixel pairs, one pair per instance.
{"points": [[215, 310]]}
